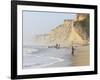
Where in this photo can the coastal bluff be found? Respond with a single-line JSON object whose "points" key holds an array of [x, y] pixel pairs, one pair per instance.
{"points": [[70, 32]]}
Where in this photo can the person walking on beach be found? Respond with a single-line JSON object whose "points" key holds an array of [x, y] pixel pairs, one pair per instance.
{"points": [[72, 51]]}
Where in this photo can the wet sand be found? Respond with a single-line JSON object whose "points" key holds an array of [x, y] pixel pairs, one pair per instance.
{"points": [[81, 56]]}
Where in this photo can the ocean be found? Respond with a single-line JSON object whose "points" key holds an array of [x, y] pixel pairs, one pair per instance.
{"points": [[42, 56]]}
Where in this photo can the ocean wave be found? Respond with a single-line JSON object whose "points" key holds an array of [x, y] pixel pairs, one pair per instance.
{"points": [[29, 50]]}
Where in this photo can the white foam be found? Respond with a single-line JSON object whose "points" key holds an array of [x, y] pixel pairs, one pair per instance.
{"points": [[29, 50]]}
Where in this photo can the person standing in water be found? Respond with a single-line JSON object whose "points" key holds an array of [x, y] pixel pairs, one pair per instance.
{"points": [[72, 50]]}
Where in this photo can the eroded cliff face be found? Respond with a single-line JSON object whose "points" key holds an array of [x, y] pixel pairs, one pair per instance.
{"points": [[82, 25], [70, 32]]}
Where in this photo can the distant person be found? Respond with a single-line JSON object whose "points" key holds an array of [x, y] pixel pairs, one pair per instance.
{"points": [[59, 45], [56, 46], [72, 51]]}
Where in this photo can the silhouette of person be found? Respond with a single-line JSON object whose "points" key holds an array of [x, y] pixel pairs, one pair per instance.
{"points": [[56, 46], [72, 50]]}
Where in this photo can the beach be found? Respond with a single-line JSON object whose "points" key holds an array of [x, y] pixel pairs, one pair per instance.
{"points": [[43, 57], [81, 56]]}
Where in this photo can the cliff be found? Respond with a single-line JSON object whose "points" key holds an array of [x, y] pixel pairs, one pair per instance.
{"points": [[70, 32], [82, 25]]}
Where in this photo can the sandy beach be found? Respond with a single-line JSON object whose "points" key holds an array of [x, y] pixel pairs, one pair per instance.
{"points": [[81, 56]]}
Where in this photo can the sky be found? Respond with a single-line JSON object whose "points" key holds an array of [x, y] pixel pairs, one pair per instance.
{"points": [[36, 22]]}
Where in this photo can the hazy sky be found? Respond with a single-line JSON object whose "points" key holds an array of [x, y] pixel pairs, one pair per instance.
{"points": [[35, 22]]}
